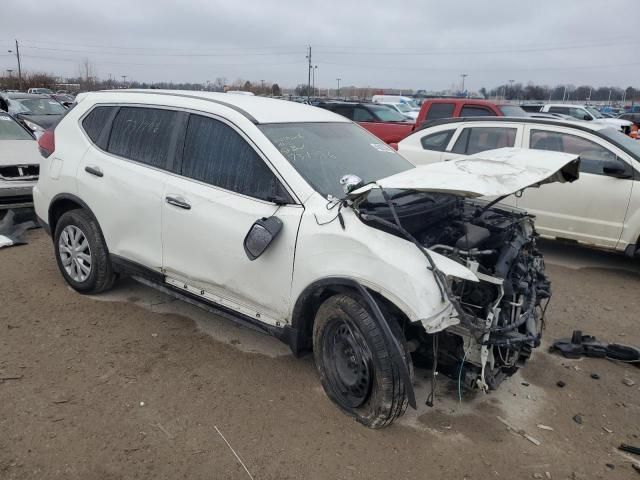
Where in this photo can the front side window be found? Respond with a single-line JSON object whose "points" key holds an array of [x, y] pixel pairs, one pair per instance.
{"points": [[479, 139], [437, 141], [143, 135], [563, 110], [440, 110], [216, 154], [592, 155], [323, 153]]}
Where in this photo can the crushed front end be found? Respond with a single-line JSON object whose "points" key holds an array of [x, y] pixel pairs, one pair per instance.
{"points": [[500, 317]]}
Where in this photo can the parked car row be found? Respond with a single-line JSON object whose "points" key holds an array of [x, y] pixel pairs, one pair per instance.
{"points": [[35, 111]]}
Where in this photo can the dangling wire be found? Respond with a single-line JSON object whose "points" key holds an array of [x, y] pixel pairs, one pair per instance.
{"points": [[434, 371]]}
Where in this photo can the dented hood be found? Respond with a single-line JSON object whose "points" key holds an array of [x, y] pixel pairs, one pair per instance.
{"points": [[493, 173]]}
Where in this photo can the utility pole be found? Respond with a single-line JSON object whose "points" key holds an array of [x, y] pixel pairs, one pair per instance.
{"points": [[309, 73], [609, 101], [511, 88], [463, 75], [124, 80], [19, 65], [338, 91], [313, 81]]}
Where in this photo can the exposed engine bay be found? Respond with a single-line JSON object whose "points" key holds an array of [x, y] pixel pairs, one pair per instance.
{"points": [[502, 316]]}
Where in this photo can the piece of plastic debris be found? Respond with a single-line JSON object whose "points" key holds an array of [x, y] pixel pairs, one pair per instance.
{"points": [[524, 384], [538, 475], [595, 376], [544, 427], [547, 474], [142, 404], [636, 467], [610, 466], [628, 382], [629, 448], [154, 335], [578, 419], [522, 433], [607, 430], [560, 383]]}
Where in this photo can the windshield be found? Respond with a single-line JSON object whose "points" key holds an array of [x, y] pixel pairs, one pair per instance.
{"points": [[403, 107], [324, 152], [10, 130], [594, 112], [386, 113], [36, 106], [512, 111], [625, 142]]}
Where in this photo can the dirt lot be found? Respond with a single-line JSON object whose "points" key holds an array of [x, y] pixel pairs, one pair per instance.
{"points": [[132, 385]]}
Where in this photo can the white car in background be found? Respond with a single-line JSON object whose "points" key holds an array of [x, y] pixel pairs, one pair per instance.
{"points": [[589, 114], [601, 209], [298, 222], [19, 164], [407, 106]]}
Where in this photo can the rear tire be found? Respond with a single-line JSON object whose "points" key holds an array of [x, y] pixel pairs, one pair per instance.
{"points": [[81, 253], [354, 362]]}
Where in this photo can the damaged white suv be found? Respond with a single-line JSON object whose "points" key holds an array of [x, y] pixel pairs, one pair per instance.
{"points": [[298, 222]]}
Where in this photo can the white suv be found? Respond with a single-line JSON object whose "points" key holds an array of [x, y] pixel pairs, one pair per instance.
{"points": [[265, 211]]}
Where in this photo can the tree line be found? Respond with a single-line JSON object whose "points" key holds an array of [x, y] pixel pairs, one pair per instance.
{"points": [[582, 93]]}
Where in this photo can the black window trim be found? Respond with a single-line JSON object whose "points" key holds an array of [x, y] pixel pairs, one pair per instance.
{"points": [[175, 156]]}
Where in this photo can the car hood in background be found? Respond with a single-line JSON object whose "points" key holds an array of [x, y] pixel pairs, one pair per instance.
{"points": [[45, 121], [615, 121], [19, 152], [493, 173]]}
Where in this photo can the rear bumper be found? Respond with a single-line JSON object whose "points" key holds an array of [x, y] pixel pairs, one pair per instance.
{"points": [[16, 195]]}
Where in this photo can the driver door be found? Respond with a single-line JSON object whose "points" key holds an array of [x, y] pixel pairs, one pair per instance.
{"points": [[223, 187]]}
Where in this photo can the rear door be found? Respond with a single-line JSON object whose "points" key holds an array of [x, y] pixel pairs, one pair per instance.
{"points": [[224, 185], [479, 137], [121, 177], [591, 209]]}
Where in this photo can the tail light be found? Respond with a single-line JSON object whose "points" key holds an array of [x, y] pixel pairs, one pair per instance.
{"points": [[394, 146], [47, 143]]}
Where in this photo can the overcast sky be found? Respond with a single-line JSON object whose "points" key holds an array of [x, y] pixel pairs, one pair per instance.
{"points": [[379, 43]]}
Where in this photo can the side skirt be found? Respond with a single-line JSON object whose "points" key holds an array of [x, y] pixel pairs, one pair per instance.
{"points": [[156, 280]]}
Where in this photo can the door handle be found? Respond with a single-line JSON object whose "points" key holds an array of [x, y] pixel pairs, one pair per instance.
{"points": [[178, 201], [97, 171]]}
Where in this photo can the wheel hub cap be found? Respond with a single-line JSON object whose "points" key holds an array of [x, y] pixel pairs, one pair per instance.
{"points": [[75, 253]]}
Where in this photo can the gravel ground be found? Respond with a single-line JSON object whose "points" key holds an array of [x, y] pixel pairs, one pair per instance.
{"points": [[132, 384]]}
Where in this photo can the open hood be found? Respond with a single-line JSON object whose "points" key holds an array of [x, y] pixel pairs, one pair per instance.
{"points": [[493, 173]]}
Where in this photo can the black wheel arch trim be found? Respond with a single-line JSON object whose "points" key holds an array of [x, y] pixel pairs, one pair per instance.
{"points": [[300, 320]]}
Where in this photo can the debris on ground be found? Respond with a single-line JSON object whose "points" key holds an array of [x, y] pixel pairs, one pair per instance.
{"points": [[580, 345], [560, 383], [520, 432], [607, 430], [578, 419], [544, 427], [629, 448], [628, 382], [610, 466], [595, 376], [13, 227]]}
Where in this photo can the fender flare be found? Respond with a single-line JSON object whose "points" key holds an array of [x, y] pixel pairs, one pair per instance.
{"points": [[394, 346]]}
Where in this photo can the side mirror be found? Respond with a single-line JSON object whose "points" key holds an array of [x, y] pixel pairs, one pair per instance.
{"points": [[616, 168], [261, 234], [587, 117]]}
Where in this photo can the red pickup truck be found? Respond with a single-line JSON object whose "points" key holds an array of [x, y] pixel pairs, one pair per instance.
{"points": [[390, 126]]}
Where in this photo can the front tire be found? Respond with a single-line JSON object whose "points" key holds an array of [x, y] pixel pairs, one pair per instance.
{"points": [[81, 253], [354, 362]]}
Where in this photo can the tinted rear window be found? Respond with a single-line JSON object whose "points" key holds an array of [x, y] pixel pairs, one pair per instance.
{"points": [[143, 135], [440, 110], [95, 121]]}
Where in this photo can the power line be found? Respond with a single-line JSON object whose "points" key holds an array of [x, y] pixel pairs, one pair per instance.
{"points": [[236, 54]]}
